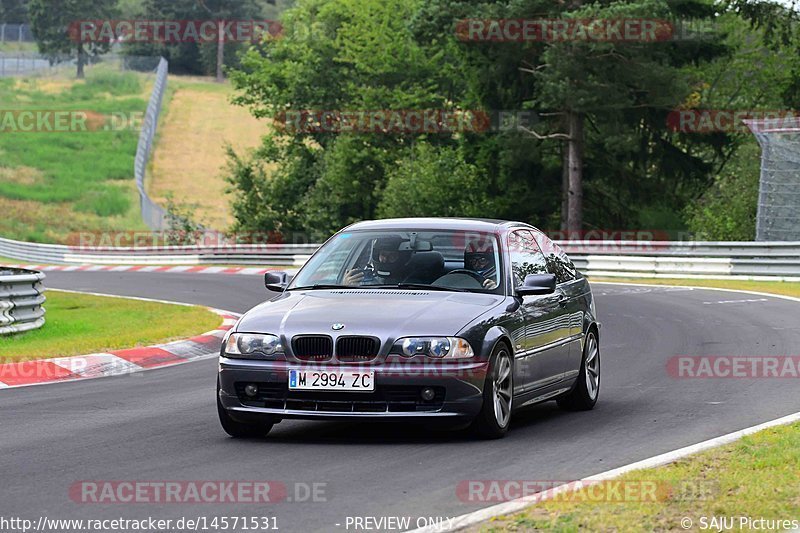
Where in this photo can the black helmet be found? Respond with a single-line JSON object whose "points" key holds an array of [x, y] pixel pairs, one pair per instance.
{"points": [[479, 257], [390, 246]]}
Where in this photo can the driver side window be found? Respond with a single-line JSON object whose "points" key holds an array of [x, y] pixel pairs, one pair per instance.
{"points": [[526, 257], [557, 261]]}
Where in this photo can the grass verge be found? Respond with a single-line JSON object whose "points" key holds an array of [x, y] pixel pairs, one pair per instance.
{"points": [[72, 178], [190, 158], [79, 324], [755, 477], [784, 288]]}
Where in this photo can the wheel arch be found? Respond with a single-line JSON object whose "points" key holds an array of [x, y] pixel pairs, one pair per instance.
{"points": [[494, 336], [595, 327]]}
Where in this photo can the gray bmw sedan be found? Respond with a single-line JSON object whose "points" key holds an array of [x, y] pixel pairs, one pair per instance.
{"points": [[452, 321]]}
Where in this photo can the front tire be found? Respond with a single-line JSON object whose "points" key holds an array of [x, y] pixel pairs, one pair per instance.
{"points": [[498, 393], [583, 396], [240, 430]]}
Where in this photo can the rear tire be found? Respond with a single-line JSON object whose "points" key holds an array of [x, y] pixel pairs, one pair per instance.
{"points": [[240, 430], [583, 396], [498, 391]]}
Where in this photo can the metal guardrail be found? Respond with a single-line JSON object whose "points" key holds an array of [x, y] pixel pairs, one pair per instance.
{"points": [[690, 259], [21, 300], [244, 254], [751, 260], [154, 216]]}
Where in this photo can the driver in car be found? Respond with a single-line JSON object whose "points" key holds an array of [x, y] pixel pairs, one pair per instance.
{"points": [[479, 258], [389, 262]]}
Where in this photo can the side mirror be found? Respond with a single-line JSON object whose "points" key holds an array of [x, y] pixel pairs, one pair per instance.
{"points": [[276, 281], [537, 284]]}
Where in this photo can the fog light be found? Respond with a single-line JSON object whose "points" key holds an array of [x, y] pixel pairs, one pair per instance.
{"points": [[251, 390], [427, 394]]}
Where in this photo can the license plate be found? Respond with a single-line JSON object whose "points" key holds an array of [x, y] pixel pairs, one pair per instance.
{"points": [[331, 380]]}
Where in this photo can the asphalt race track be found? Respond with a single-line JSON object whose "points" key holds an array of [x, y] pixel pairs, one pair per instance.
{"points": [[162, 424]]}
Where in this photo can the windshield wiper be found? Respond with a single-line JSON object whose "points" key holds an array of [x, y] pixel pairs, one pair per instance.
{"points": [[422, 286], [319, 286]]}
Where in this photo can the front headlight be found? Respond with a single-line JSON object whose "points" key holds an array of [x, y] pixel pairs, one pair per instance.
{"points": [[436, 347], [252, 344]]}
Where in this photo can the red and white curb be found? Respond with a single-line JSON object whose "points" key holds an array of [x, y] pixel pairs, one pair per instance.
{"points": [[117, 362], [180, 269]]}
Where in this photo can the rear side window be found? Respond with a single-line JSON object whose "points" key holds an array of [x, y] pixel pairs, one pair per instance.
{"points": [[526, 257]]}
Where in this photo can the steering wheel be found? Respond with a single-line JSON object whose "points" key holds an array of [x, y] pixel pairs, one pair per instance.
{"points": [[464, 272]]}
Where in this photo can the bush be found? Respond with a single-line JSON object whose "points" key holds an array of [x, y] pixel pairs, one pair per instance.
{"points": [[433, 181], [353, 172]]}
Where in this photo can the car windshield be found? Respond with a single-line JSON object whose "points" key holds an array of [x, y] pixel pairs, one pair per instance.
{"points": [[407, 260]]}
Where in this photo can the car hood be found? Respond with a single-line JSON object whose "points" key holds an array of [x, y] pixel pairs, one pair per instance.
{"points": [[386, 314]]}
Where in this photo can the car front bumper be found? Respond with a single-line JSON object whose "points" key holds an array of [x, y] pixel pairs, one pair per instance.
{"points": [[458, 386]]}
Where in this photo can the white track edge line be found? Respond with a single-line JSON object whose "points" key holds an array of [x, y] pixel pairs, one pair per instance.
{"points": [[513, 506], [701, 288], [215, 310]]}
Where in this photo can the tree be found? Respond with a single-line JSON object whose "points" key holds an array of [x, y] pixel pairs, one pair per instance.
{"points": [[13, 11], [762, 72], [334, 55], [584, 80], [433, 181], [222, 10], [196, 57], [51, 26], [617, 162]]}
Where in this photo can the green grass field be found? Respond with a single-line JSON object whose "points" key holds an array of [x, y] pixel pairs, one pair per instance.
{"points": [[9, 47], [189, 159], [756, 476], [55, 183], [78, 324]]}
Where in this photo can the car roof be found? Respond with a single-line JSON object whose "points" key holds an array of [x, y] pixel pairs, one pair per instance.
{"points": [[435, 223]]}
